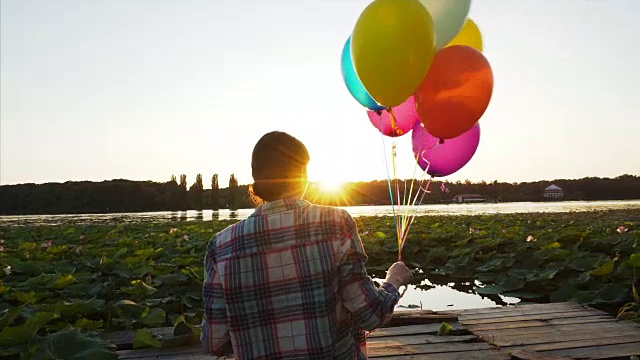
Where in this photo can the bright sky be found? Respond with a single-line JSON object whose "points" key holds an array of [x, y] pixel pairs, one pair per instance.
{"points": [[143, 89]]}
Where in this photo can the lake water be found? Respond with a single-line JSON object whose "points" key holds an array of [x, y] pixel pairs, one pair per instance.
{"points": [[440, 297], [420, 210]]}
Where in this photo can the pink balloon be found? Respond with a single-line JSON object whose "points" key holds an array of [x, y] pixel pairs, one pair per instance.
{"points": [[405, 117], [444, 158]]}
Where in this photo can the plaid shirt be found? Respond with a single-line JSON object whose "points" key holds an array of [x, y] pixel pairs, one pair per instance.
{"points": [[289, 282]]}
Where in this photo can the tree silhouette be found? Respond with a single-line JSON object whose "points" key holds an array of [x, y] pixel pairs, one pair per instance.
{"points": [[183, 194], [215, 193], [173, 193], [120, 195], [232, 194], [195, 193]]}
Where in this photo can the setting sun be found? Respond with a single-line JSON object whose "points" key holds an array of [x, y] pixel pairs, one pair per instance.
{"points": [[328, 189], [331, 185], [326, 177]]}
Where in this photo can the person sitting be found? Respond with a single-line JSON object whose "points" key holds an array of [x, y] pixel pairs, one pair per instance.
{"points": [[289, 281]]}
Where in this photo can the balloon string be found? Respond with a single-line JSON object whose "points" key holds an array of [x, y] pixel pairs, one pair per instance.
{"points": [[401, 222], [411, 203], [386, 164], [424, 192], [395, 177], [398, 222], [407, 219], [392, 120]]}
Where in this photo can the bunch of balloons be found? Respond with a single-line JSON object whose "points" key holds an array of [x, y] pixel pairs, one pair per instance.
{"points": [[417, 66]]}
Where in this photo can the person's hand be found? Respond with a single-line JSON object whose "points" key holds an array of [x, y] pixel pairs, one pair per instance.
{"points": [[398, 275]]}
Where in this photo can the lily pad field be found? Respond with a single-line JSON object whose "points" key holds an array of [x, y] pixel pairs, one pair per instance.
{"points": [[62, 288]]}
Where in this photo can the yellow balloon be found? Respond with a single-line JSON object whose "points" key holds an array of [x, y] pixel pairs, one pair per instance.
{"points": [[469, 35], [392, 47]]}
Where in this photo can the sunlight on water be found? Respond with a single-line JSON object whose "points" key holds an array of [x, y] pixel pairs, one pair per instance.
{"points": [[441, 298], [421, 210], [496, 208]]}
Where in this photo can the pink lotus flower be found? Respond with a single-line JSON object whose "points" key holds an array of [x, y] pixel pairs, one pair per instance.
{"points": [[46, 244], [530, 238], [621, 229], [173, 231]]}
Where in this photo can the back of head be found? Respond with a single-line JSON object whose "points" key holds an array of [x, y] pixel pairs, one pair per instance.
{"points": [[278, 165]]}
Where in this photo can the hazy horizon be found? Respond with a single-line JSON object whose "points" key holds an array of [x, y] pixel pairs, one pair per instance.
{"points": [[141, 90], [225, 184]]}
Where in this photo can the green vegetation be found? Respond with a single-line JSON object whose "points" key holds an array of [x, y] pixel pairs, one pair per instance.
{"points": [[62, 285], [586, 257]]}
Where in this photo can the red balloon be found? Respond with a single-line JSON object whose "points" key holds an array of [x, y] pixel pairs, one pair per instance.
{"points": [[456, 91]]}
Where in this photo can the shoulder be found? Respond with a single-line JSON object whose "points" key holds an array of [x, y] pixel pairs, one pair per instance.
{"points": [[223, 237], [330, 213]]}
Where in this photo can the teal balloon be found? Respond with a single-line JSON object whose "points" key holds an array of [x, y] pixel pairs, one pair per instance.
{"points": [[448, 18], [352, 81]]}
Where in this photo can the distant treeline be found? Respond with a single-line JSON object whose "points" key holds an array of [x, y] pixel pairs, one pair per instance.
{"points": [[173, 195]]}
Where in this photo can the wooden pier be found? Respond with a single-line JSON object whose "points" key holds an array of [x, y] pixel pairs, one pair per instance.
{"points": [[527, 332]]}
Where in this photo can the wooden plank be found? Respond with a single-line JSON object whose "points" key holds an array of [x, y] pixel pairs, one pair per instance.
{"points": [[415, 329], [466, 355], [186, 357], [538, 323], [142, 353], [420, 339], [601, 352], [588, 343], [414, 317], [528, 311], [587, 336], [561, 329], [123, 339], [528, 355], [489, 310], [563, 315], [400, 348]]}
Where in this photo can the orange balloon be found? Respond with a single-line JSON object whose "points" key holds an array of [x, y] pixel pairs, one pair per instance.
{"points": [[456, 91]]}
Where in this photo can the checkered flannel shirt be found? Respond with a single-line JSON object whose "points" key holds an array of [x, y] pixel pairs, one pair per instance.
{"points": [[289, 282]]}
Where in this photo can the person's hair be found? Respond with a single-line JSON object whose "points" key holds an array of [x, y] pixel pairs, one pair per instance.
{"points": [[278, 166]]}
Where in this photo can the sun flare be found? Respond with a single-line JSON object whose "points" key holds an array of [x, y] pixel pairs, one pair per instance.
{"points": [[331, 185]]}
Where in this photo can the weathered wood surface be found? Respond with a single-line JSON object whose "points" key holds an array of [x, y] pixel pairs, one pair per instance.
{"points": [[554, 330], [529, 332]]}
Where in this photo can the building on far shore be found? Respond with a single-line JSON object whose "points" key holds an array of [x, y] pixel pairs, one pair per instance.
{"points": [[468, 198], [553, 192]]}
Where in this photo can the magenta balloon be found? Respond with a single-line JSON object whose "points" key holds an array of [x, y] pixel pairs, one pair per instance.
{"points": [[405, 117], [447, 157]]}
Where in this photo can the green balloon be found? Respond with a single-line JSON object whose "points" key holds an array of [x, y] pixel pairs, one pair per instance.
{"points": [[448, 18]]}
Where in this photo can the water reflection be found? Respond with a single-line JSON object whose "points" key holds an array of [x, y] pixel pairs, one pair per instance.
{"points": [[440, 297], [225, 214]]}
